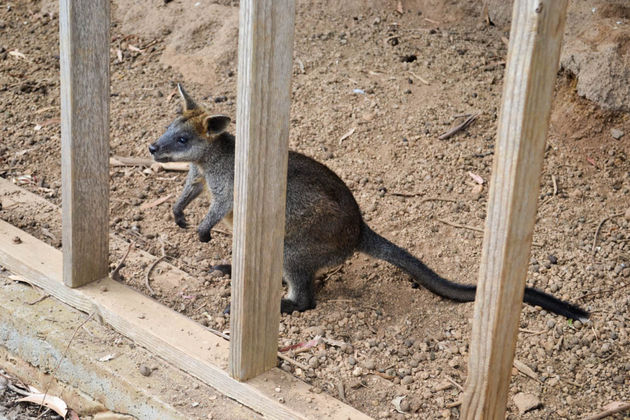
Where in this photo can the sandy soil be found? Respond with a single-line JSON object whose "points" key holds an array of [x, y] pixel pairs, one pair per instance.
{"points": [[358, 67]]}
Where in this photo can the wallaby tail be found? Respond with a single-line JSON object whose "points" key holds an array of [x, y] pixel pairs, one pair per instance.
{"points": [[375, 245]]}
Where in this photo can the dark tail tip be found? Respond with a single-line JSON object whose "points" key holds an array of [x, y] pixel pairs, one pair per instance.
{"points": [[555, 305]]}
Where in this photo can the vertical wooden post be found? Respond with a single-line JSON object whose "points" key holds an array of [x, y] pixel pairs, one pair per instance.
{"points": [[262, 136], [535, 39], [84, 45]]}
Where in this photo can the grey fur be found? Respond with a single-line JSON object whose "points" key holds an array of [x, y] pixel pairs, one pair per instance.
{"points": [[323, 225]]}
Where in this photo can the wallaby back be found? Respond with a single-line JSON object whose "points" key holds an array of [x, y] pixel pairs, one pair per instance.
{"points": [[323, 223]]}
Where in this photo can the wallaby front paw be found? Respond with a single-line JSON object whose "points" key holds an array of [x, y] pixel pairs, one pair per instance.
{"points": [[180, 220], [204, 236]]}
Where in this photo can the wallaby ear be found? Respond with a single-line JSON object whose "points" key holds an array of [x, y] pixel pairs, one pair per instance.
{"points": [[216, 124], [188, 102]]}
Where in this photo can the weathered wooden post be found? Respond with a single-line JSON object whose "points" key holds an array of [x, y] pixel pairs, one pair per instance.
{"points": [[534, 50], [84, 54], [262, 137]]}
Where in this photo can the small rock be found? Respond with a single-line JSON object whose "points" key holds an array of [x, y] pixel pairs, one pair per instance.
{"points": [[145, 370], [17, 240], [407, 380], [357, 371], [616, 133], [553, 259], [352, 361], [313, 362], [369, 364], [525, 402]]}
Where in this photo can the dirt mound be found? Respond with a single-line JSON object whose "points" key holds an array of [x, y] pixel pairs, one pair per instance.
{"points": [[596, 48]]}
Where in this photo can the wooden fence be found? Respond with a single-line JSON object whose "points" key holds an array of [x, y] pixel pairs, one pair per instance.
{"points": [[264, 72]]}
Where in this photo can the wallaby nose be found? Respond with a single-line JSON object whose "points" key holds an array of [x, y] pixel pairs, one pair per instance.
{"points": [[153, 148]]}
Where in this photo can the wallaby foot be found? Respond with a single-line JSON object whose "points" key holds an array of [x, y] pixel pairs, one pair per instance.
{"points": [[226, 269], [180, 220], [288, 306], [300, 296]]}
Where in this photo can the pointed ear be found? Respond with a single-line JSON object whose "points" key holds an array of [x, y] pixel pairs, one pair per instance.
{"points": [[188, 103], [216, 124]]}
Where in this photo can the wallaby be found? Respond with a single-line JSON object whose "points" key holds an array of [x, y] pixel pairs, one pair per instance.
{"points": [[323, 221]]}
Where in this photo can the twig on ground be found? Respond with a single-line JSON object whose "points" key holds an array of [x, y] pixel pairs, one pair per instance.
{"points": [[147, 278], [426, 82], [218, 333], [280, 355], [221, 232], [116, 272], [555, 184], [155, 203], [532, 332], [451, 380], [459, 127], [63, 355], [384, 375], [446, 222], [453, 404], [428, 199], [293, 362], [600, 226], [610, 409], [332, 272], [38, 300]]}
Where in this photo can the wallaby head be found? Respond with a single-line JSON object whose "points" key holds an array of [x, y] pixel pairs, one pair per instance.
{"points": [[188, 138]]}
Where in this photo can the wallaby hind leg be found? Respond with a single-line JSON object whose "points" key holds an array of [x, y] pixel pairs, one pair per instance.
{"points": [[192, 188], [301, 295]]}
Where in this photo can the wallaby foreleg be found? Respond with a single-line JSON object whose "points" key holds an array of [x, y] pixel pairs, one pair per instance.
{"points": [[192, 188]]}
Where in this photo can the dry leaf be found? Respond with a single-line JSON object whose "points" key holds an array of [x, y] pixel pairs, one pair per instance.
{"points": [[479, 180], [525, 370], [107, 358], [348, 134], [54, 403], [396, 402], [16, 53], [155, 202]]}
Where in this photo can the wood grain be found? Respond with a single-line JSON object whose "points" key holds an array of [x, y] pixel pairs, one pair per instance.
{"points": [[167, 334], [533, 54], [262, 134], [84, 56]]}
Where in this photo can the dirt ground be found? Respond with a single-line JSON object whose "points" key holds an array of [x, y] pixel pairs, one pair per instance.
{"points": [[396, 81]]}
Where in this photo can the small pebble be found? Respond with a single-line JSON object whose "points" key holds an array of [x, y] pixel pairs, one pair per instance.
{"points": [[407, 380], [17, 240], [145, 370], [369, 364], [616, 133], [357, 371], [553, 259]]}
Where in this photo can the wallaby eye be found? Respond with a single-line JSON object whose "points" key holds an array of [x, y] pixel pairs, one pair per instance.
{"points": [[182, 140]]}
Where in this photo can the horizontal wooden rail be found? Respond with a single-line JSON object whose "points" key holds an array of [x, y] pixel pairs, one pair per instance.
{"points": [[166, 333]]}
